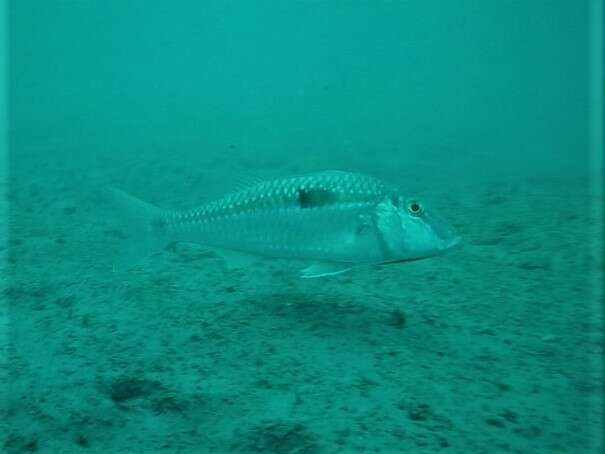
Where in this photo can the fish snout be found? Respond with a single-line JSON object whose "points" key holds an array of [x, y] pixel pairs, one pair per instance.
{"points": [[446, 236]]}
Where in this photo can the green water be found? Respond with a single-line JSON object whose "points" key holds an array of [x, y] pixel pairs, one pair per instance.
{"points": [[489, 110]]}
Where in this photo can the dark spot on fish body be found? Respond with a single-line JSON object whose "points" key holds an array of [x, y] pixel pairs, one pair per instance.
{"points": [[315, 198], [363, 228], [159, 226]]}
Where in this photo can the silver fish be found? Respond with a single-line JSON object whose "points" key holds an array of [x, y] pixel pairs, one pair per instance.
{"points": [[336, 220]]}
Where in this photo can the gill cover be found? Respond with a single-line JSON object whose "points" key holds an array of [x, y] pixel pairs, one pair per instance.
{"points": [[389, 225]]}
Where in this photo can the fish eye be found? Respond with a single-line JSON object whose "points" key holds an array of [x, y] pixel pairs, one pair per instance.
{"points": [[414, 207]]}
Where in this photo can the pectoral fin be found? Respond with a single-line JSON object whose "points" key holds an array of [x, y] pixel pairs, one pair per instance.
{"points": [[321, 269]]}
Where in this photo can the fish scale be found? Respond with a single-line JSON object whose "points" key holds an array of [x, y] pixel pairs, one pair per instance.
{"points": [[268, 219]]}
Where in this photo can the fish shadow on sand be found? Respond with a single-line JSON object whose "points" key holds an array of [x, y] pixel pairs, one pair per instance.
{"points": [[326, 314]]}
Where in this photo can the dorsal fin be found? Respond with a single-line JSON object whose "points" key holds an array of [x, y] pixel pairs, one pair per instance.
{"points": [[246, 181]]}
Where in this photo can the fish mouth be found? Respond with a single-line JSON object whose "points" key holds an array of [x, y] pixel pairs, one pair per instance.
{"points": [[450, 243], [444, 233]]}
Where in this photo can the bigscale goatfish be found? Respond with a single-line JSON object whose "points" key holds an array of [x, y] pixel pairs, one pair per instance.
{"points": [[333, 220]]}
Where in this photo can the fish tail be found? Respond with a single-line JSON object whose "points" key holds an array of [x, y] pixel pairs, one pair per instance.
{"points": [[144, 227]]}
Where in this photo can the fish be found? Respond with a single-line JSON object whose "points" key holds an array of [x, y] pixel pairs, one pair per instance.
{"points": [[331, 220]]}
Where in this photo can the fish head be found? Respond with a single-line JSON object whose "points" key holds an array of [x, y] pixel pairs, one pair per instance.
{"points": [[412, 230]]}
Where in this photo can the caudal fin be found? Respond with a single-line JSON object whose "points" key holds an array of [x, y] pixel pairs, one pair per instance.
{"points": [[143, 225]]}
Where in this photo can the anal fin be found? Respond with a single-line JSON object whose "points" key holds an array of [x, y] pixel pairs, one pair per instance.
{"points": [[322, 269]]}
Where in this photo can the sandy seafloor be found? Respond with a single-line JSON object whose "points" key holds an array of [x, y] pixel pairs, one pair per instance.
{"points": [[494, 347]]}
